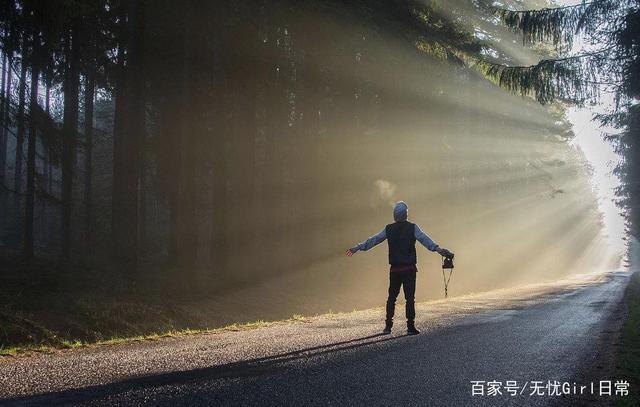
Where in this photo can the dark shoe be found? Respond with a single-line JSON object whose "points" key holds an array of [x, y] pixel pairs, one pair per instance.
{"points": [[411, 330], [387, 329]]}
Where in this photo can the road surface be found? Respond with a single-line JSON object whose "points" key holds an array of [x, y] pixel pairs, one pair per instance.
{"points": [[560, 331]]}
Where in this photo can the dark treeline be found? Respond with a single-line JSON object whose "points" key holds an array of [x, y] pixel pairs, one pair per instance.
{"points": [[198, 90], [212, 135]]}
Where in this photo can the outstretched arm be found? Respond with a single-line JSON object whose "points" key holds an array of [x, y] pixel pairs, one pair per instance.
{"points": [[369, 243], [430, 244], [425, 240]]}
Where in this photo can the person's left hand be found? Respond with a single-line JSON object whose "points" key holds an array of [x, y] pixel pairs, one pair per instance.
{"points": [[350, 252]]}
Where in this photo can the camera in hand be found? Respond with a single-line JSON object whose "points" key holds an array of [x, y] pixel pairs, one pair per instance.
{"points": [[447, 262]]}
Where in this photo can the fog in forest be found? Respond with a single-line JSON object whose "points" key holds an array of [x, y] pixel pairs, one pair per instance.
{"points": [[246, 147]]}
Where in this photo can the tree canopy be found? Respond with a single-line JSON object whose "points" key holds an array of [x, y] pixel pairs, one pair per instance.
{"points": [[599, 46]]}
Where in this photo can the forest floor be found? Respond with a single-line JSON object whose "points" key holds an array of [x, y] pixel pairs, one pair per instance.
{"points": [[47, 305]]}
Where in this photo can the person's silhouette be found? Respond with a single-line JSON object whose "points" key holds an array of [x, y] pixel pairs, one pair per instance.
{"points": [[401, 236]]}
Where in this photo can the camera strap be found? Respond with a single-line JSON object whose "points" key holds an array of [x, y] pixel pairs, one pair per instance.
{"points": [[445, 279]]}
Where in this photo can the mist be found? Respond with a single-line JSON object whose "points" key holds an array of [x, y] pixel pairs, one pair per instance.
{"points": [[252, 144]]}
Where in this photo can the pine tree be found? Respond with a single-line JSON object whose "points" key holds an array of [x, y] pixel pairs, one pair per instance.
{"points": [[608, 61]]}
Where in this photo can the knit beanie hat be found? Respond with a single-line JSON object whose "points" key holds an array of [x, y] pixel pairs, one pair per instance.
{"points": [[400, 211]]}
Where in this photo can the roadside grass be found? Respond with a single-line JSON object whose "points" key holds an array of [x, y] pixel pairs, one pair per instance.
{"points": [[72, 344], [47, 305], [628, 352], [53, 344]]}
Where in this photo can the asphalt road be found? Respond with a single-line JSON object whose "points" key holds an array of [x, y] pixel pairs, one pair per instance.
{"points": [[561, 331]]}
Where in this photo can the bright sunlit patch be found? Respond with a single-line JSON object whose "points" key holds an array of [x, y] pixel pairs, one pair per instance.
{"points": [[603, 160]]}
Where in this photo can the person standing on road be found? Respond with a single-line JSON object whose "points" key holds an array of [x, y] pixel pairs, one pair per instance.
{"points": [[401, 236]]}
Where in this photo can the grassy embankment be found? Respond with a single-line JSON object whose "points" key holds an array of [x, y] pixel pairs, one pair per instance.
{"points": [[46, 306], [54, 342], [628, 351]]}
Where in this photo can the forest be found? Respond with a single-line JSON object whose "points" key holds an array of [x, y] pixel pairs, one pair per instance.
{"points": [[232, 150]]}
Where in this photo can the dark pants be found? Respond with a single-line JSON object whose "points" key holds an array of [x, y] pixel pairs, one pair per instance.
{"points": [[406, 279]]}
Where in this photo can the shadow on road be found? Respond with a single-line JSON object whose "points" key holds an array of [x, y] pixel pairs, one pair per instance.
{"points": [[247, 368]]}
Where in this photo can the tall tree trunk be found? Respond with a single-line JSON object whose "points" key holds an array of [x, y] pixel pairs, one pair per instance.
{"points": [[219, 218], [4, 131], [119, 153], [47, 95], [48, 166], [187, 226], [17, 177], [3, 123], [168, 163], [7, 107], [69, 136], [127, 146], [4, 85], [89, 93], [31, 157], [276, 147]]}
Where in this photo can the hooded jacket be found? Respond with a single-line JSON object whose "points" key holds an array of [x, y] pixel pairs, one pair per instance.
{"points": [[401, 236]]}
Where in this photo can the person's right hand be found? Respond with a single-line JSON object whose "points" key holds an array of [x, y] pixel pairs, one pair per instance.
{"points": [[350, 252], [445, 253]]}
